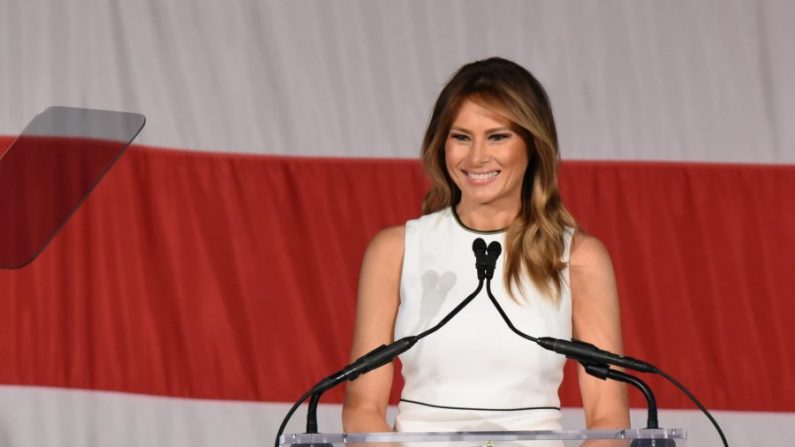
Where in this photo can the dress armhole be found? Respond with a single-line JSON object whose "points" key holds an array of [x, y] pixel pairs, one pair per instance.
{"points": [[568, 239], [409, 236]]}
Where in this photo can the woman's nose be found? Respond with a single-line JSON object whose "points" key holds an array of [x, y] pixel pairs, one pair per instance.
{"points": [[478, 152]]}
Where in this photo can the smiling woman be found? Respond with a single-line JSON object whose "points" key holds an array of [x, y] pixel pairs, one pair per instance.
{"points": [[510, 97], [491, 153]]}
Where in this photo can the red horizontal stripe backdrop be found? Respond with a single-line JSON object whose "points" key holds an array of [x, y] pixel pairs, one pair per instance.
{"points": [[234, 277]]}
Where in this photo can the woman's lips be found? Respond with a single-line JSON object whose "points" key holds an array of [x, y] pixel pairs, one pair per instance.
{"points": [[481, 177]]}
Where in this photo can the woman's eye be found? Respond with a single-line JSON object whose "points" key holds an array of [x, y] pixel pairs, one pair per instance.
{"points": [[499, 136], [459, 137]]}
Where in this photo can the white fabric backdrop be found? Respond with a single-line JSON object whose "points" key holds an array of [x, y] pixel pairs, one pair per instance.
{"points": [[707, 80]]}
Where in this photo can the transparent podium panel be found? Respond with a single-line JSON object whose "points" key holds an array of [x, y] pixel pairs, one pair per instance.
{"points": [[659, 437]]}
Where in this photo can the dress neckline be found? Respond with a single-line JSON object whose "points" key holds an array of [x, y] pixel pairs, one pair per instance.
{"points": [[472, 230]]}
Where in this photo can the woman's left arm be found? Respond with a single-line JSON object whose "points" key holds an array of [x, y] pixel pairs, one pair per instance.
{"points": [[596, 320]]}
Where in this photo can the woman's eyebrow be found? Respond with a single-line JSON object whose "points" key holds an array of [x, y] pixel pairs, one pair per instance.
{"points": [[492, 130]]}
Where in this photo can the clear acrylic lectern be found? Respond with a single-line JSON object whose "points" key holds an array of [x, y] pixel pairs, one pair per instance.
{"points": [[658, 437]]}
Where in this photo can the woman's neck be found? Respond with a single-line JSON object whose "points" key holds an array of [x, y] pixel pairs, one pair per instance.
{"points": [[486, 217]]}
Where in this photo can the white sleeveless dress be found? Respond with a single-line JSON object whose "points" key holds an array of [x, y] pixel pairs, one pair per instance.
{"points": [[474, 374]]}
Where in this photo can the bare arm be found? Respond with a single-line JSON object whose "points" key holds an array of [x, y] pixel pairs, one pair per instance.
{"points": [[596, 320], [367, 397]]}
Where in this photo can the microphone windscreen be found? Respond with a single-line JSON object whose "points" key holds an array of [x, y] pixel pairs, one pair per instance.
{"points": [[495, 249], [479, 245]]}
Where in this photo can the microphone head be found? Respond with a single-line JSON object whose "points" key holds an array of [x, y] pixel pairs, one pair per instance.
{"points": [[478, 245], [495, 249], [481, 258]]}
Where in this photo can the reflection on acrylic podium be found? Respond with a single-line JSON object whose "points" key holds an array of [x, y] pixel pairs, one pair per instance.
{"points": [[658, 437]]}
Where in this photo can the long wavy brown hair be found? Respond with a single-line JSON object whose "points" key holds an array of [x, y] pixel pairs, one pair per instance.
{"points": [[535, 241]]}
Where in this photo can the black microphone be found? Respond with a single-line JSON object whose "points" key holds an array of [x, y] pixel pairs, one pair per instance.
{"points": [[486, 257], [378, 357], [485, 260], [481, 259], [585, 352], [494, 251]]}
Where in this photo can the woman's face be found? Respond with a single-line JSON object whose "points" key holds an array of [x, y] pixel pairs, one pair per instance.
{"points": [[485, 158]]}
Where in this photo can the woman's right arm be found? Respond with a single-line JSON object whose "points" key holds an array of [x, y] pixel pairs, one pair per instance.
{"points": [[367, 397]]}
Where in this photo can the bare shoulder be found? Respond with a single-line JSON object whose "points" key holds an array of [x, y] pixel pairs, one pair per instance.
{"points": [[382, 261], [387, 244], [588, 252], [591, 271], [390, 237]]}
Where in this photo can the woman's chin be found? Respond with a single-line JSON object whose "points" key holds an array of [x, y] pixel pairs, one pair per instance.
{"points": [[485, 199]]}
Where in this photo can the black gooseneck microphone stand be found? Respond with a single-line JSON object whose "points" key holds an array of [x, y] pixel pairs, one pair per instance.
{"points": [[597, 363], [385, 353], [604, 372]]}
